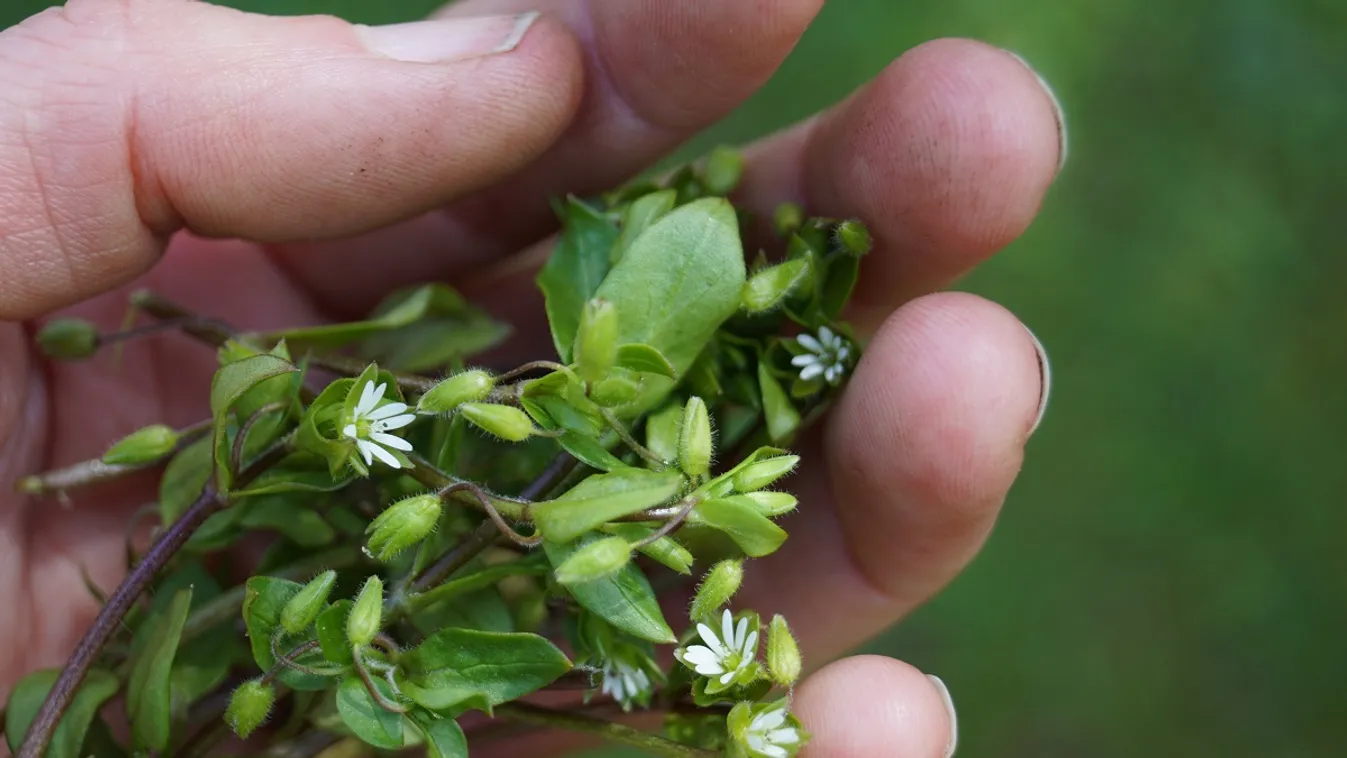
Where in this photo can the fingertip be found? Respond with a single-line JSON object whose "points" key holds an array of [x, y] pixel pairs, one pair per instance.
{"points": [[869, 705]]}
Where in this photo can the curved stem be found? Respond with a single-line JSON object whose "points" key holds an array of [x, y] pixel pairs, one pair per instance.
{"points": [[492, 513], [241, 438], [671, 524], [609, 730], [373, 689], [460, 556], [627, 439]]}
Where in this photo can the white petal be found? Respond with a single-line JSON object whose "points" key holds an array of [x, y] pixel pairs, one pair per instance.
{"points": [[642, 679], [843, 352], [384, 456], [709, 669], [617, 688], [826, 336], [698, 655], [366, 449], [368, 399], [711, 640], [350, 431], [786, 736], [384, 411], [772, 751], [755, 741], [811, 371], [729, 675], [727, 631], [809, 343], [397, 422], [741, 634], [388, 440], [832, 373], [750, 647], [768, 720], [804, 359]]}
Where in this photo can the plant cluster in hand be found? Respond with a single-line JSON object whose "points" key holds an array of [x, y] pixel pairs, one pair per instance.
{"points": [[448, 537]]}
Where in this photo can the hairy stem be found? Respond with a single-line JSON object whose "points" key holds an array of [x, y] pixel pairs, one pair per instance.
{"points": [[630, 441], [91, 472], [609, 730]]}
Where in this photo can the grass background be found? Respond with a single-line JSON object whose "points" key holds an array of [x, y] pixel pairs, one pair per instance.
{"points": [[1170, 575]]}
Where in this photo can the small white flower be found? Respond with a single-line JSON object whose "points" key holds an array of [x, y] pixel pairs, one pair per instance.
{"points": [[724, 656], [371, 423], [768, 736], [827, 356], [624, 681]]}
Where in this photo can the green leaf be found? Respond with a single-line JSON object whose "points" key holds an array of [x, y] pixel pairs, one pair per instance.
{"points": [[666, 550], [231, 383], [645, 359], [602, 498], [624, 599], [483, 609], [597, 560], [331, 628], [148, 690], [365, 718], [26, 699], [575, 270], [843, 272], [318, 432], [589, 451], [297, 472], [769, 288], [455, 665], [780, 414], [264, 597], [477, 580], [679, 282], [638, 216], [291, 517], [753, 532], [183, 480], [444, 737]]}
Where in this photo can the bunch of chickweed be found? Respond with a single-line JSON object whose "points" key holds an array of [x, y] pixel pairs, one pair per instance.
{"points": [[443, 536]]}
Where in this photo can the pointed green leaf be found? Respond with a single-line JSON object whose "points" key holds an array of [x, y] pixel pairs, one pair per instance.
{"points": [[184, 478], [444, 737], [365, 717], [624, 599], [602, 498], [753, 532], [589, 451], [780, 414], [230, 384], [638, 216], [575, 270], [666, 550], [843, 272], [645, 359], [454, 665], [27, 697], [148, 690], [331, 631]]}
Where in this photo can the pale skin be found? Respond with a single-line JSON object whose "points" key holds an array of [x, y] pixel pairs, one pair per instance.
{"points": [[276, 171]]}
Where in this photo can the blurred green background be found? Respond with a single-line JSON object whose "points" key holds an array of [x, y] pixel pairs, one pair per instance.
{"points": [[1170, 575]]}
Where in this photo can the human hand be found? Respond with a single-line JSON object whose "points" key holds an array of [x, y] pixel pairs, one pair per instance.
{"points": [[160, 133]]}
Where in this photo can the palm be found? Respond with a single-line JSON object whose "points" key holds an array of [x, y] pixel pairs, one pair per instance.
{"points": [[946, 156]]}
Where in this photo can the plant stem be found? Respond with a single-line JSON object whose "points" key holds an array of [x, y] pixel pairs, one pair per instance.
{"points": [[630, 441], [110, 619], [95, 471], [462, 553], [609, 730]]}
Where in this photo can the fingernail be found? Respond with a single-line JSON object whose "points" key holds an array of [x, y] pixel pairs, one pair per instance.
{"points": [[940, 687], [1062, 143], [1045, 379], [449, 39]]}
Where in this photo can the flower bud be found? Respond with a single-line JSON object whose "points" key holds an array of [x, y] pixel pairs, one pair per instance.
{"points": [[367, 613], [787, 218], [724, 167], [614, 391], [783, 653], [504, 421], [596, 560], [249, 707], [770, 287], [770, 504], [305, 606], [467, 387], [854, 238], [694, 440], [402, 525], [142, 446], [719, 585], [762, 473], [68, 339], [595, 349]]}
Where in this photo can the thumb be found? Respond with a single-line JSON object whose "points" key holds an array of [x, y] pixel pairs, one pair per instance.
{"points": [[122, 121]]}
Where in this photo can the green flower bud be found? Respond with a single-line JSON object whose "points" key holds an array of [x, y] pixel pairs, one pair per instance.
{"points": [[614, 391], [142, 446], [402, 525], [770, 503], [770, 287], [719, 585], [68, 339], [694, 440], [724, 168], [249, 707], [787, 218], [367, 613], [595, 349], [305, 606], [854, 238], [504, 421], [596, 560], [762, 473], [783, 653], [467, 387]]}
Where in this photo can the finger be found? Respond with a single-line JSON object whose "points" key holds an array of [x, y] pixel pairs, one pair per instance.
{"points": [[946, 156], [657, 73], [921, 451], [120, 124], [903, 712]]}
